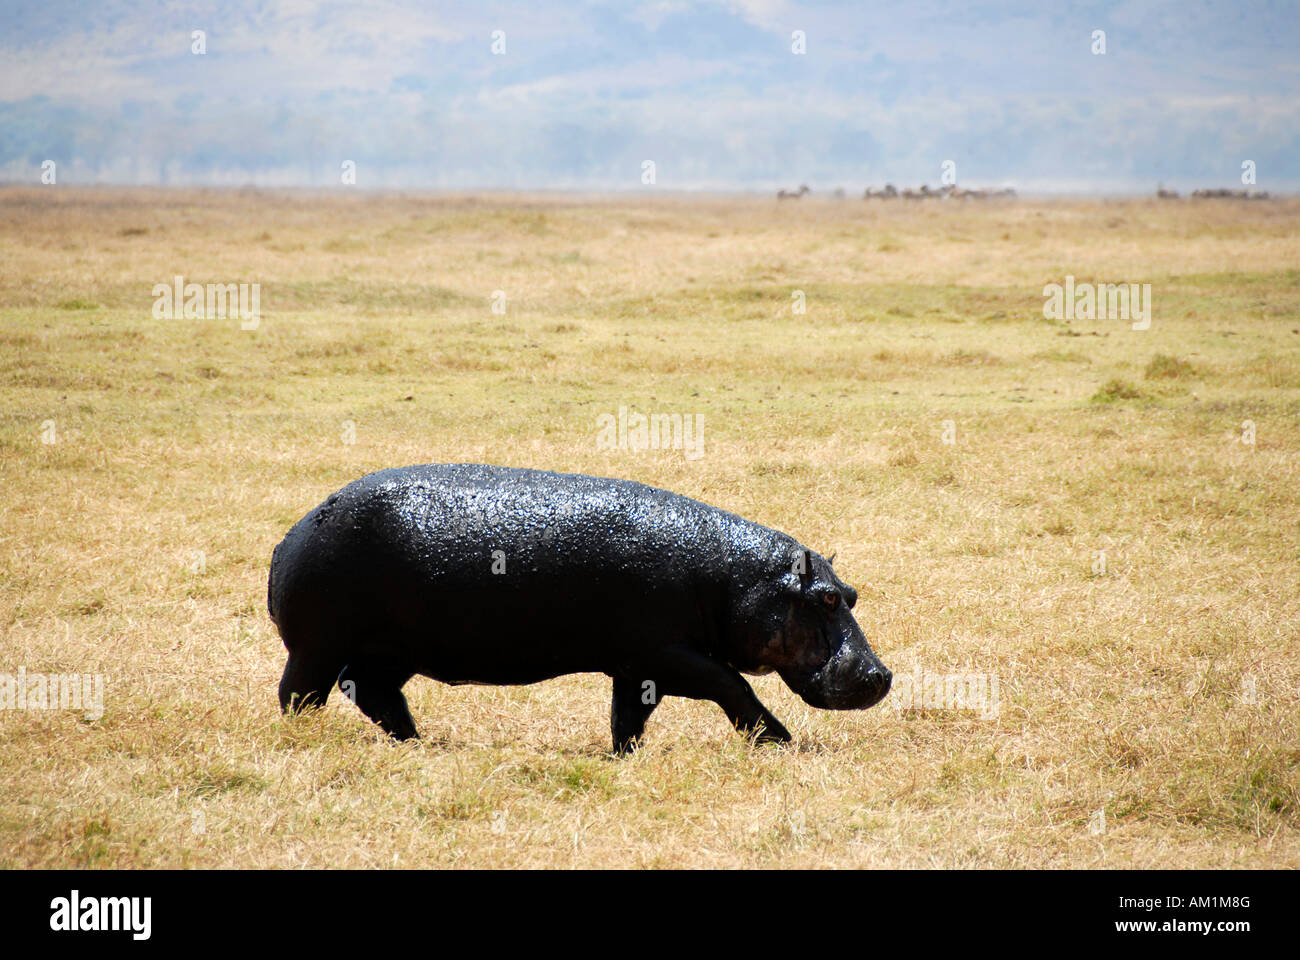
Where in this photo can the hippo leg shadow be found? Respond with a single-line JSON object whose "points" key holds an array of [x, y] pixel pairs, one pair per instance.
{"points": [[376, 689], [680, 672]]}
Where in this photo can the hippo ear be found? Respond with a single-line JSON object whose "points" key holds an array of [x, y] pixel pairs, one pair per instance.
{"points": [[831, 561]]}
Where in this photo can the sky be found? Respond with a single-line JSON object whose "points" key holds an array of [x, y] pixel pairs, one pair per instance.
{"points": [[580, 94]]}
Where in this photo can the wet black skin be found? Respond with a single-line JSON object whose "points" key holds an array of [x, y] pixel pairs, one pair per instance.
{"points": [[477, 574]]}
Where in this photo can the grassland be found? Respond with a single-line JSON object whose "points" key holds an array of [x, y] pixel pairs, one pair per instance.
{"points": [[1159, 687]]}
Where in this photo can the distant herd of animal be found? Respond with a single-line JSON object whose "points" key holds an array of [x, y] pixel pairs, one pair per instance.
{"points": [[1216, 194], [891, 192], [954, 192]]}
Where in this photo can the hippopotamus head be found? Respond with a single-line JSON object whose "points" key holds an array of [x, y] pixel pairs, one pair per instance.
{"points": [[797, 620]]}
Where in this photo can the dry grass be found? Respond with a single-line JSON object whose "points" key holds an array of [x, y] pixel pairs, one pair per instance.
{"points": [[1160, 687]]}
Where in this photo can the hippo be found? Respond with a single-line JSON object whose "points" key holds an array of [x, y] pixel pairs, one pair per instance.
{"points": [[468, 573]]}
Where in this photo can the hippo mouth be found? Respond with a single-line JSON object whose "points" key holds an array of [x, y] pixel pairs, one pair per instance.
{"points": [[849, 680]]}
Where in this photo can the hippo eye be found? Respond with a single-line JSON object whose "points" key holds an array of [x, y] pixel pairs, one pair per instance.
{"points": [[831, 599]]}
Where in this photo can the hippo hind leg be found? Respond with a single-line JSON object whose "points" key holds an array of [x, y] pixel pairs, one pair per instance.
{"points": [[307, 681], [631, 706], [376, 689]]}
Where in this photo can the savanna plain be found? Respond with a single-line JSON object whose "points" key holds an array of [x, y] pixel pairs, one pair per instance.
{"points": [[1099, 524]]}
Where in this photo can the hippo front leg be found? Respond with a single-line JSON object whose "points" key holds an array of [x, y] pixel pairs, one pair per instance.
{"points": [[631, 706], [680, 672]]}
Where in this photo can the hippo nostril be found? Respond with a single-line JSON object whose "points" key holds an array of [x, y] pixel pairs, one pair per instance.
{"points": [[880, 679]]}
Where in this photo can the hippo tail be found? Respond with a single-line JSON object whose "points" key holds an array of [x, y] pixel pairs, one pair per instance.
{"points": [[270, 584]]}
